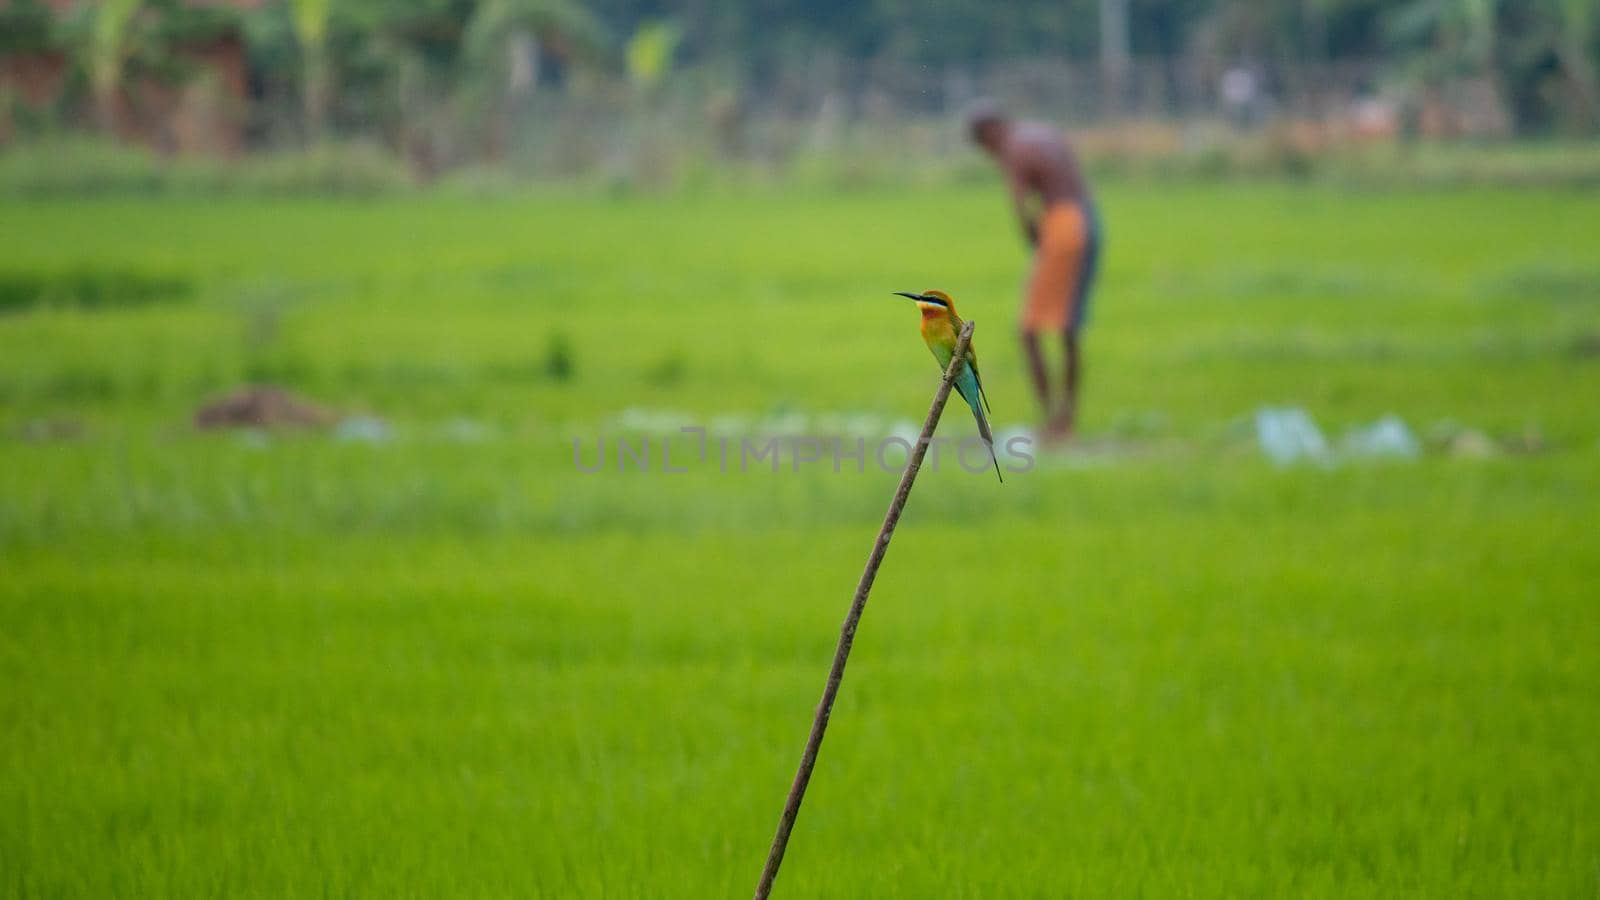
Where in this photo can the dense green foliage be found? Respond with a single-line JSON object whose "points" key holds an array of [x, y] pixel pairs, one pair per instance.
{"points": [[443, 662], [460, 76]]}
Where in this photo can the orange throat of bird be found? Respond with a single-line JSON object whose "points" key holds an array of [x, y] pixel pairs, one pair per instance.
{"points": [[936, 324]]}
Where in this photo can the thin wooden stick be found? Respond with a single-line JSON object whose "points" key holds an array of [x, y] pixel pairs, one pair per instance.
{"points": [[847, 633]]}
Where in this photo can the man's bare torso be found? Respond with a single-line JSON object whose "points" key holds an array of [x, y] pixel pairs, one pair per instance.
{"points": [[1039, 162]]}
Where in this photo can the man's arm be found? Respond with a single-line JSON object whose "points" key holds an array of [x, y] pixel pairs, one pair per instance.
{"points": [[1021, 194]]}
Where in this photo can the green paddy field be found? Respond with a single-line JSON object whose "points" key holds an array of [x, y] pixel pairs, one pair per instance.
{"points": [[419, 653]]}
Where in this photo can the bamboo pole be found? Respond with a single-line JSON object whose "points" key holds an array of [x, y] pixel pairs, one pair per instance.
{"points": [[847, 633]]}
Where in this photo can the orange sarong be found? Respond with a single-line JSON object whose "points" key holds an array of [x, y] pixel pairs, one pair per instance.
{"points": [[1056, 283]]}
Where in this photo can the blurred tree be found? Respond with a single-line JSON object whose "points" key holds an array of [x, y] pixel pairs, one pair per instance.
{"points": [[107, 52], [1572, 40], [26, 26], [649, 54], [505, 44], [452, 73], [1116, 53], [310, 18], [28, 33], [1443, 43], [508, 37]]}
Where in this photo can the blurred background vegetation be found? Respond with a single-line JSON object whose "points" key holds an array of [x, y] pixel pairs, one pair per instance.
{"points": [[302, 593], [367, 95]]}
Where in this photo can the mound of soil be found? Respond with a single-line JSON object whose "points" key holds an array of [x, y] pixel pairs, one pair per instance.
{"points": [[262, 406]]}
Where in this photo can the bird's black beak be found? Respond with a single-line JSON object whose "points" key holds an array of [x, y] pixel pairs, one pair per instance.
{"points": [[917, 297]]}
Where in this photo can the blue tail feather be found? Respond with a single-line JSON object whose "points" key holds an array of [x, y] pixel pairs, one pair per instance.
{"points": [[967, 385]]}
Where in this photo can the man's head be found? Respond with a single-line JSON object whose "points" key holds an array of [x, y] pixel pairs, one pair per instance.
{"points": [[987, 125]]}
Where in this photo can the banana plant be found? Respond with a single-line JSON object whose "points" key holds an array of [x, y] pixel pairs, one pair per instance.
{"points": [[310, 20], [649, 54], [109, 46]]}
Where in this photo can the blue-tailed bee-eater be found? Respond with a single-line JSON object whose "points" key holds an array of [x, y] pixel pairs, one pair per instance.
{"points": [[940, 327]]}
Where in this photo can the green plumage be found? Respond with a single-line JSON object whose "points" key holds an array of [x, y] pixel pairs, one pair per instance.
{"points": [[940, 329]]}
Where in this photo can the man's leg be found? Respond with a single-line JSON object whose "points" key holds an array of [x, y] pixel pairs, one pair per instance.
{"points": [[1088, 265], [1036, 369], [1073, 366], [1051, 309]]}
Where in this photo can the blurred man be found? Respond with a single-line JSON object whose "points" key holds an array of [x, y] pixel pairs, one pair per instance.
{"points": [[1058, 218]]}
